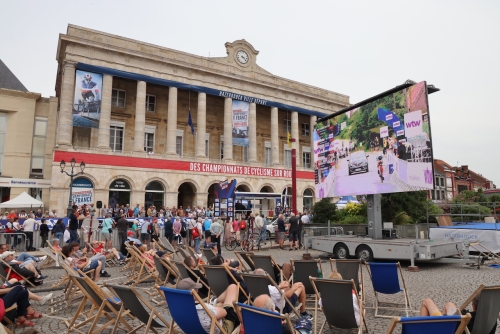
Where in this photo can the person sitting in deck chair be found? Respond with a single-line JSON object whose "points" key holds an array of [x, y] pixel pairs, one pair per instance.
{"points": [[294, 293], [222, 307], [265, 302], [98, 248], [191, 263], [475, 303], [336, 275], [234, 267], [27, 270]]}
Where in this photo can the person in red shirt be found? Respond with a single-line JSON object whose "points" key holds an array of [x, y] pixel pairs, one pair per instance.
{"points": [[98, 248]]}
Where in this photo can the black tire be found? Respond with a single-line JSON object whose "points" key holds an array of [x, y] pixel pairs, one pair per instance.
{"points": [[268, 235], [231, 244], [364, 253], [341, 251]]}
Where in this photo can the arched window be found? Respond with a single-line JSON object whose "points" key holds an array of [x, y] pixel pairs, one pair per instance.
{"points": [[154, 195], [308, 199], [119, 193]]}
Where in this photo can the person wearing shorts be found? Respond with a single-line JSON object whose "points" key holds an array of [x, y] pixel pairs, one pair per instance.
{"points": [[144, 232]]}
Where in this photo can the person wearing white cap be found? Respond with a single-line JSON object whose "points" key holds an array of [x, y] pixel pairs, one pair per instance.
{"points": [[28, 269], [221, 308]]}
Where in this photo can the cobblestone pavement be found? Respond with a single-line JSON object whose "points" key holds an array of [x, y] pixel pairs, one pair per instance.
{"points": [[441, 282]]}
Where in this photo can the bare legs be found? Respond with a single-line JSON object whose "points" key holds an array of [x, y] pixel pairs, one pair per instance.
{"points": [[429, 308]]}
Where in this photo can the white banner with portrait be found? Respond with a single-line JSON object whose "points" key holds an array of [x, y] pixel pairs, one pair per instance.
{"points": [[240, 123]]}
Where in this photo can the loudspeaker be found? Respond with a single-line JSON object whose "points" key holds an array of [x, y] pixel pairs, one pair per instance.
{"points": [[99, 204]]}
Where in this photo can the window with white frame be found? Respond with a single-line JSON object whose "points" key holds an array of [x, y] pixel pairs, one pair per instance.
{"points": [[287, 159], [178, 142], [306, 157], [38, 148], [150, 103], [221, 147], [149, 138], [305, 129], [3, 133], [116, 131], [287, 125], [267, 153], [245, 153], [118, 98]]}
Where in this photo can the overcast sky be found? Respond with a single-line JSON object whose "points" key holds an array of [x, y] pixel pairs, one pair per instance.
{"points": [[357, 48]]}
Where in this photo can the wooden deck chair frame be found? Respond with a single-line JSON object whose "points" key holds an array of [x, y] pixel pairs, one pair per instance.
{"points": [[361, 278], [463, 323], [104, 308], [492, 256], [362, 319], [10, 324], [283, 317], [245, 260], [227, 272], [474, 294], [270, 281], [167, 246], [207, 311], [12, 270], [273, 262], [312, 297], [199, 280], [148, 307], [208, 251], [407, 305], [143, 273]]}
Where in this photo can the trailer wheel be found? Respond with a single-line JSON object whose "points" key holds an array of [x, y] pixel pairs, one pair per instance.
{"points": [[341, 251], [364, 253]]}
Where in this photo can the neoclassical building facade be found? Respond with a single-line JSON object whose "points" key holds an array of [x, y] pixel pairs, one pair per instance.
{"points": [[165, 133]]}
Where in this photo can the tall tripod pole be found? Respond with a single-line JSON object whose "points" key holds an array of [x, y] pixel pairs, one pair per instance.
{"points": [[294, 177]]}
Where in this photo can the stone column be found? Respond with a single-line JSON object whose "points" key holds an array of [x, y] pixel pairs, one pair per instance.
{"points": [[140, 117], [65, 128], [252, 133], [228, 129], [275, 150], [202, 125], [105, 119], [312, 124], [172, 121], [295, 134]]}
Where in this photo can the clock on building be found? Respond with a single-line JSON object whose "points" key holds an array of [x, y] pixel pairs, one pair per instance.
{"points": [[242, 57]]}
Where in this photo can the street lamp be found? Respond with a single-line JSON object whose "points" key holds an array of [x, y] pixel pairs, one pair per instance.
{"points": [[72, 176]]}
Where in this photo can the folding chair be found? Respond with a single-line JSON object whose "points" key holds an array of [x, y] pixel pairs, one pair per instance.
{"points": [[185, 315], [488, 308], [337, 304], [217, 277], [257, 320], [267, 263], [245, 260], [384, 277], [145, 269], [351, 270], [107, 306], [166, 245], [138, 307], [12, 269], [111, 262], [208, 253], [438, 324], [303, 270], [259, 285]]}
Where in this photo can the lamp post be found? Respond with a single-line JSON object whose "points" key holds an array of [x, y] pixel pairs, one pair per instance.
{"points": [[72, 175]]}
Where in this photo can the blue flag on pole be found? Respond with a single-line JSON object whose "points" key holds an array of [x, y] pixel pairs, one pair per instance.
{"points": [[190, 122]]}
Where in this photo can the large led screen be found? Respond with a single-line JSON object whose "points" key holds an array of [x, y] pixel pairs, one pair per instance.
{"points": [[382, 146]]}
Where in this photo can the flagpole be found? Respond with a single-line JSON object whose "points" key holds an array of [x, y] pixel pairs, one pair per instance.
{"points": [[294, 177]]}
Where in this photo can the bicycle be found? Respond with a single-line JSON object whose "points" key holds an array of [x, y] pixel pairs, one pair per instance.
{"points": [[231, 243]]}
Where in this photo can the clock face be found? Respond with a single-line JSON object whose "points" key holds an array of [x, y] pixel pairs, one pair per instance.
{"points": [[242, 57]]}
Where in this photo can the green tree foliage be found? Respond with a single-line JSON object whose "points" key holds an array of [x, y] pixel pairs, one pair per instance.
{"points": [[494, 199], [324, 211], [413, 204], [470, 196]]}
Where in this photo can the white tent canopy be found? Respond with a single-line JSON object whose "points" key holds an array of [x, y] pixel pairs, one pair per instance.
{"points": [[22, 201]]}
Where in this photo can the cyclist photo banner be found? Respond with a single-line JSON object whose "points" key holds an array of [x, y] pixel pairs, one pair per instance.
{"points": [[240, 122], [87, 100]]}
